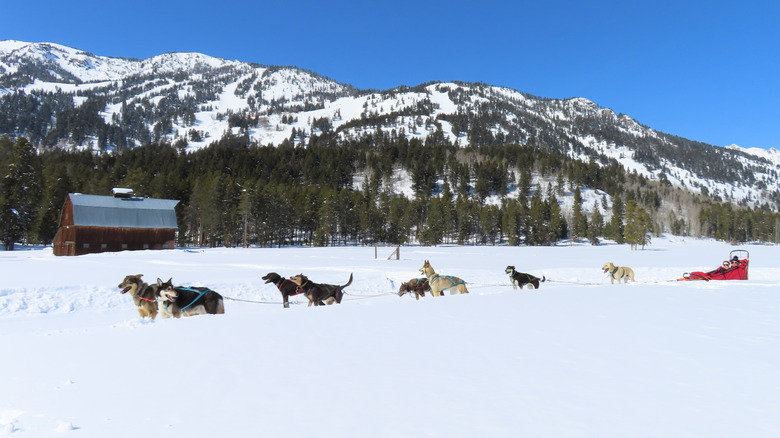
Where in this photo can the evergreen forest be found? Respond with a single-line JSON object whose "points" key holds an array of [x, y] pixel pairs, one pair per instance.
{"points": [[346, 192]]}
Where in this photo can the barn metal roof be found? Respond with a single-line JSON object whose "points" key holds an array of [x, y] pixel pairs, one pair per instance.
{"points": [[135, 212]]}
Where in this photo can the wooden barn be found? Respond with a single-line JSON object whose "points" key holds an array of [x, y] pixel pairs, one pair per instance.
{"points": [[92, 223]]}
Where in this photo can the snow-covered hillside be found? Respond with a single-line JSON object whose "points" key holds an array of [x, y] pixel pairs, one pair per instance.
{"points": [[772, 155], [87, 67], [578, 358], [197, 99]]}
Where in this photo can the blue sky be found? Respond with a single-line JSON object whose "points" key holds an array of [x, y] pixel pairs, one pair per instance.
{"points": [[704, 70]]}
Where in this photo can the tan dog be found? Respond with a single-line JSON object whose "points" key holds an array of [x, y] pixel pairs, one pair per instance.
{"points": [[441, 283], [142, 293], [618, 273]]}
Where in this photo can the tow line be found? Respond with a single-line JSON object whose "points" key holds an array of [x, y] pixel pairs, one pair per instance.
{"points": [[257, 302]]}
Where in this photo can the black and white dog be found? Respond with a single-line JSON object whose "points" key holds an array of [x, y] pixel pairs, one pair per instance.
{"points": [[177, 301], [522, 279]]}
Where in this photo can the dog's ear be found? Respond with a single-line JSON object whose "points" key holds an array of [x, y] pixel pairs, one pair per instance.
{"points": [[159, 282]]}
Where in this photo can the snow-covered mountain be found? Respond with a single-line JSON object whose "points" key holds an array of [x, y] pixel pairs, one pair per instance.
{"points": [[72, 65], [191, 100]]}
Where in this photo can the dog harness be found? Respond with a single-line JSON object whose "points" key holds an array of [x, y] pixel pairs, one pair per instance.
{"points": [[448, 277], [144, 298], [199, 292], [298, 288]]}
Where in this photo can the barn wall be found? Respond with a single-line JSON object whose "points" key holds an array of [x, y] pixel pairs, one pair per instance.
{"points": [[74, 240], [66, 218], [64, 241]]}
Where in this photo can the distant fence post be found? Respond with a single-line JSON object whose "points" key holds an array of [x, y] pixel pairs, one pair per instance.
{"points": [[396, 252]]}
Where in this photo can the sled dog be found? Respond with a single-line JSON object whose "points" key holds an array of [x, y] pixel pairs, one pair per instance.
{"points": [[142, 293], [178, 301], [287, 287], [319, 293], [166, 295], [417, 285], [440, 283], [618, 273], [521, 279]]}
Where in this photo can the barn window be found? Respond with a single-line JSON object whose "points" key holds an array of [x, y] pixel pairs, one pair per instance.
{"points": [[85, 246], [146, 246], [124, 246], [103, 245]]}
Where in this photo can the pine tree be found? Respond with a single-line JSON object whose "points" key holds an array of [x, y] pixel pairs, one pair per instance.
{"points": [[558, 228], [20, 193], [433, 232], [327, 229], [538, 222], [615, 229], [580, 221], [638, 225], [57, 186], [524, 185], [510, 222], [596, 227]]}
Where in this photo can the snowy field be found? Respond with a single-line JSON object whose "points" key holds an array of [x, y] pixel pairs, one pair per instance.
{"points": [[577, 358]]}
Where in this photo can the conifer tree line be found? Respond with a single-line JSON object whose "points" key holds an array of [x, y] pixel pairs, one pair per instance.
{"points": [[236, 194]]}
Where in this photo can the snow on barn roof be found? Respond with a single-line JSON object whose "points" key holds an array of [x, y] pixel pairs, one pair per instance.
{"points": [[134, 212]]}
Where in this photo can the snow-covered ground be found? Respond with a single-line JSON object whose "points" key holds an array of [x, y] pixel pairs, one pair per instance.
{"points": [[578, 358]]}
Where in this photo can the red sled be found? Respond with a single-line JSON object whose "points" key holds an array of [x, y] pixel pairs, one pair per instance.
{"points": [[732, 269]]}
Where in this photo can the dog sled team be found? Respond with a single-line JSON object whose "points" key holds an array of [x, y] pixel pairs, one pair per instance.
{"points": [[168, 301]]}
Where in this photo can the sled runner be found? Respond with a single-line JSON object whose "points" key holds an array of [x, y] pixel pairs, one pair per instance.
{"points": [[732, 269]]}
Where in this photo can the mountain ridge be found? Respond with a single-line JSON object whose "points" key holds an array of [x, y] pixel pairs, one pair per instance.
{"points": [[193, 100]]}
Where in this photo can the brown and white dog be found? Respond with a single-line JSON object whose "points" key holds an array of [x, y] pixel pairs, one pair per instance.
{"points": [[142, 293], [417, 285], [440, 283], [618, 273]]}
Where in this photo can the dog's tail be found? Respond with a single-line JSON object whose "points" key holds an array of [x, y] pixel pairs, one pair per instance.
{"points": [[543, 279], [349, 282]]}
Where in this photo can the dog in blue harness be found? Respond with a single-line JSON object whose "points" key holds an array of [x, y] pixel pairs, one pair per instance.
{"points": [[441, 283], [177, 301]]}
